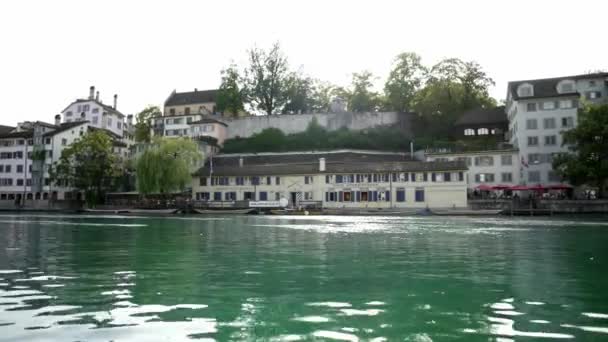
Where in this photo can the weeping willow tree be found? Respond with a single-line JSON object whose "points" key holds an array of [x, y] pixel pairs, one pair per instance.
{"points": [[167, 165]]}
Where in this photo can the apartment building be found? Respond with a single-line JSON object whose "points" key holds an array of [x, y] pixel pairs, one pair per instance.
{"points": [[540, 110], [333, 179]]}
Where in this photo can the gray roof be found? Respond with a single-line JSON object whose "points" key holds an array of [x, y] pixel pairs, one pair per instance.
{"points": [[481, 116], [103, 105], [308, 163], [197, 96], [64, 127], [547, 87], [5, 129]]}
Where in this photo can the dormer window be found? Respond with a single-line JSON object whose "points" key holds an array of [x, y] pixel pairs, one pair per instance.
{"points": [[469, 131], [525, 90], [565, 87]]}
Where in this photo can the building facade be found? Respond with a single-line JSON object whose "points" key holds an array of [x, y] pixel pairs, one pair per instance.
{"points": [[490, 167], [337, 179], [540, 110]]}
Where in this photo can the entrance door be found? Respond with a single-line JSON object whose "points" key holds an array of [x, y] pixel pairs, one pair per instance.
{"points": [[293, 196]]}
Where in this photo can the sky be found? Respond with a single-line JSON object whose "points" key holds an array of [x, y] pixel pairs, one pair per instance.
{"points": [[52, 51]]}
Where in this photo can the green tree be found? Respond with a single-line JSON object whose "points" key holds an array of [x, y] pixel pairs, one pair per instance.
{"points": [[89, 165], [266, 79], [404, 81], [166, 165], [299, 92], [361, 98], [588, 142], [230, 95], [143, 123], [322, 94]]}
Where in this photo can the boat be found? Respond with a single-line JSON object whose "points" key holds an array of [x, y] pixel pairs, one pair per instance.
{"points": [[295, 212], [223, 211], [466, 212], [152, 211]]}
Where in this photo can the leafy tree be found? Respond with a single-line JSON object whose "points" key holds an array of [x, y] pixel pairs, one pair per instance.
{"points": [[230, 95], [588, 142], [404, 81], [166, 165], [89, 165], [266, 79], [361, 98], [299, 93], [322, 94], [143, 124]]}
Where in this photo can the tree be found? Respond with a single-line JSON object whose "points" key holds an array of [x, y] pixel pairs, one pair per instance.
{"points": [[143, 124], [266, 79], [230, 95], [361, 97], [588, 142], [322, 94], [404, 81], [299, 92], [89, 165], [166, 165]]}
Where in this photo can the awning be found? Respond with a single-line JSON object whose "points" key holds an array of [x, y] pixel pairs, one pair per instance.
{"points": [[560, 187], [483, 187], [501, 187]]}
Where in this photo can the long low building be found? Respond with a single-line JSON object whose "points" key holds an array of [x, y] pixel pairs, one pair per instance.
{"points": [[336, 179]]}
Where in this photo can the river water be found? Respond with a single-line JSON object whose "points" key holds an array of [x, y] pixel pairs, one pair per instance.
{"points": [[94, 278]]}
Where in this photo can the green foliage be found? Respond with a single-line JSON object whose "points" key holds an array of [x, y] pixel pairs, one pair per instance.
{"points": [[316, 137], [143, 124], [588, 141], [89, 165], [404, 82], [230, 95], [166, 165], [266, 79], [361, 98]]}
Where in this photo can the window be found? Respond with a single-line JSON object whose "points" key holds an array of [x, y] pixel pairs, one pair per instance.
{"points": [[202, 181], [19, 182], [484, 177], [549, 123], [307, 179], [277, 180], [534, 158], [277, 196], [506, 177], [567, 87], [118, 124], [484, 161], [338, 179], [532, 141], [217, 196], [47, 141], [567, 122], [592, 95], [469, 131], [109, 123], [550, 140], [263, 196], [483, 131], [187, 110], [524, 90], [68, 114], [400, 195], [172, 111], [565, 104], [531, 124], [19, 168], [506, 160], [95, 110], [7, 168], [419, 195], [531, 107], [534, 176], [189, 120], [553, 176], [548, 105]]}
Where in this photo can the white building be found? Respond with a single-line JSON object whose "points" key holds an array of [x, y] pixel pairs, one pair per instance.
{"points": [[540, 110], [489, 167], [335, 179]]}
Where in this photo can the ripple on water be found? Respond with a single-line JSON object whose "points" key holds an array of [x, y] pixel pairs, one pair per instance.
{"points": [[331, 304], [312, 319], [595, 315], [334, 335]]}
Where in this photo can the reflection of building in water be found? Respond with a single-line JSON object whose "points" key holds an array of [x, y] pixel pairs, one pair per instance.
{"points": [[335, 179]]}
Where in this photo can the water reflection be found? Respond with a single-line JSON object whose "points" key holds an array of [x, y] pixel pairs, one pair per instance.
{"points": [[337, 278]]}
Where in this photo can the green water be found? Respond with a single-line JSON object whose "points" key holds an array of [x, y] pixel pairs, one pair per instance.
{"points": [[88, 278]]}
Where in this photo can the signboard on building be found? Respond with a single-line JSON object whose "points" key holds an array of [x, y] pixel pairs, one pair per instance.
{"points": [[269, 204]]}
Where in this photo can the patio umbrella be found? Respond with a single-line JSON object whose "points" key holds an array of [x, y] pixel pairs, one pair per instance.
{"points": [[500, 187], [537, 187], [560, 187], [484, 187], [519, 187]]}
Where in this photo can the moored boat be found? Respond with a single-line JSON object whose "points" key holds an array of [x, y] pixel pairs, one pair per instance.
{"points": [[224, 211]]}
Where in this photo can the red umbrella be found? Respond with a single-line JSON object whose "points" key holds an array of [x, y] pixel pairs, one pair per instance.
{"points": [[500, 187], [560, 187], [519, 187], [484, 187], [537, 187]]}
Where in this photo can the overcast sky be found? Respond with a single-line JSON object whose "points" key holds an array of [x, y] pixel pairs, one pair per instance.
{"points": [[52, 51]]}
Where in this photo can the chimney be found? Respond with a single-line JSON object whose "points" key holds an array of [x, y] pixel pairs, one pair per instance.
{"points": [[241, 162], [97, 96], [115, 99], [91, 92], [130, 119], [321, 164], [195, 90], [57, 119]]}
